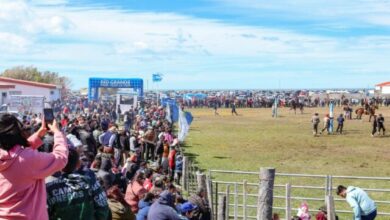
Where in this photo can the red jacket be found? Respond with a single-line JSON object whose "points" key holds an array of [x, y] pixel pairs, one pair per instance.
{"points": [[171, 159], [321, 216]]}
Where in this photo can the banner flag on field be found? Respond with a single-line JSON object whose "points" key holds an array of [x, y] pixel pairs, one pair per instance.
{"points": [[157, 77], [168, 114], [189, 118], [331, 115], [171, 108], [185, 119]]}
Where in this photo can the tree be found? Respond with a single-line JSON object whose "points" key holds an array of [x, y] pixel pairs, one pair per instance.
{"points": [[31, 73]]}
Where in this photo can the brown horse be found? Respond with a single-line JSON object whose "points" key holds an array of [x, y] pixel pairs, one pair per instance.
{"points": [[359, 113], [368, 110], [371, 111]]}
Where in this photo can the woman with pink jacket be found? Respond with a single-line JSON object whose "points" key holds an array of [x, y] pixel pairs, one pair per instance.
{"points": [[23, 169]]}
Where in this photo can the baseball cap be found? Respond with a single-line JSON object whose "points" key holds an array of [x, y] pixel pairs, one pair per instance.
{"points": [[187, 207]]}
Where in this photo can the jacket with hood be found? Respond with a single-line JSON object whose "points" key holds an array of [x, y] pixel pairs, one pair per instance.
{"points": [[162, 208], [360, 202], [22, 178], [143, 210], [120, 211], [74, 196]]}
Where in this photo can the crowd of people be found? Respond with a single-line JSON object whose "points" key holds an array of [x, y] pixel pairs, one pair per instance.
{"points": [[265, 99], [378, 124], [93, 163]]}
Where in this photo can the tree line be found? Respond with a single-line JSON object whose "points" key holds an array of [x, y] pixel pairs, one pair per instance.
{"points": [[31, 73]]}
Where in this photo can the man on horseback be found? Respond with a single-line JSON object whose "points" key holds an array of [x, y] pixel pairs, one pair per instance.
{"points": [[371, 111]]}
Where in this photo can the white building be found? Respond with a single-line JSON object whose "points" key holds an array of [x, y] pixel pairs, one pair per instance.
{"points": [[383, 89], [9, 86]]}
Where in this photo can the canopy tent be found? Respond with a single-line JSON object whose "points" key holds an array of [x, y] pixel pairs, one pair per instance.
{"points": [[198, 96]]}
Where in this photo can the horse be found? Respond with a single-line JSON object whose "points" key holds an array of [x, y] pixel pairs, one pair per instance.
{"points": [[371, 111], [359, 113], [368, 110], [293, 106]]}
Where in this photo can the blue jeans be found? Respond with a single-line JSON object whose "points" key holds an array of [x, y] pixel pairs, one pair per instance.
{"points": [[370, 216]]}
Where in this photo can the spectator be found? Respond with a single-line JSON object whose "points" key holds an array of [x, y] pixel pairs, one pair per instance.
{"points": [[315, 120], [326, 124], [374, 126], [187, 210], [62, 202], [105, 174], [340, 125], [178, 168], [322, 214], [162, 208], [303, 212], [23, 169], [171, 162], [363, 206], [381, 124], [148, 184], [199, 199], [120, 210], [130, 168], [144, 206], [275, 216], [135, 191]]}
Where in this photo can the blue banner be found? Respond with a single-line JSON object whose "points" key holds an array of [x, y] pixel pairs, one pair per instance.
{"points": [[189, 118], [173, 108]]}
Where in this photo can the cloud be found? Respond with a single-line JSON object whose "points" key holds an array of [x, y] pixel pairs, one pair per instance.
{"points": [[349, 13], [12, 43], [87, 41]]}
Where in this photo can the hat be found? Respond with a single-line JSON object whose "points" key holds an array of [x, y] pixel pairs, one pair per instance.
{"points": [[323, 209], [187, 207]]}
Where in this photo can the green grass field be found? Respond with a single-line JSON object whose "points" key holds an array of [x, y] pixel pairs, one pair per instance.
{"points": [[254, 139]]}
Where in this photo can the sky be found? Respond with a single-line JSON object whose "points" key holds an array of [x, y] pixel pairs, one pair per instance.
{"points": [[203, 44]]}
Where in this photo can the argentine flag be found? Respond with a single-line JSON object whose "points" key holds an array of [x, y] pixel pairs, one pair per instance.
{"points": [[185, 120], [157, 77]]}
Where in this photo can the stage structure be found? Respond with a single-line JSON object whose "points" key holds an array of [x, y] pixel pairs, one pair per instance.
{"points": [[136, 84]]}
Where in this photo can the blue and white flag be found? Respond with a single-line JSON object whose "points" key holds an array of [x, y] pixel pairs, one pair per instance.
{"points": [[171, 108], [185, 119], [168, 116], [157, 77]]}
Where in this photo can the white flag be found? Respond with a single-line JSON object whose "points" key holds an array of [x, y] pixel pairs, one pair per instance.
{"points": [[168, 113], [184, 127]]}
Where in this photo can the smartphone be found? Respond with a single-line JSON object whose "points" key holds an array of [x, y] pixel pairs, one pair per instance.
{"points": [[49, 115]]}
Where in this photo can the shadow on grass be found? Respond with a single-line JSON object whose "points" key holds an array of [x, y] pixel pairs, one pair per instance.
{"points": [[221, 157], [192, 157]]}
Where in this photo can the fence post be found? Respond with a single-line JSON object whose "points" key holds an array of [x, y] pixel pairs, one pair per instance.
{"points": [[227, 202], [288, 201], [222, 208], [265, 199], [327, 185], [185, 173], [235, 201], [216, 200], [330, 207], [244, 198], [201, 180], [209, 187], [330, 190]]}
